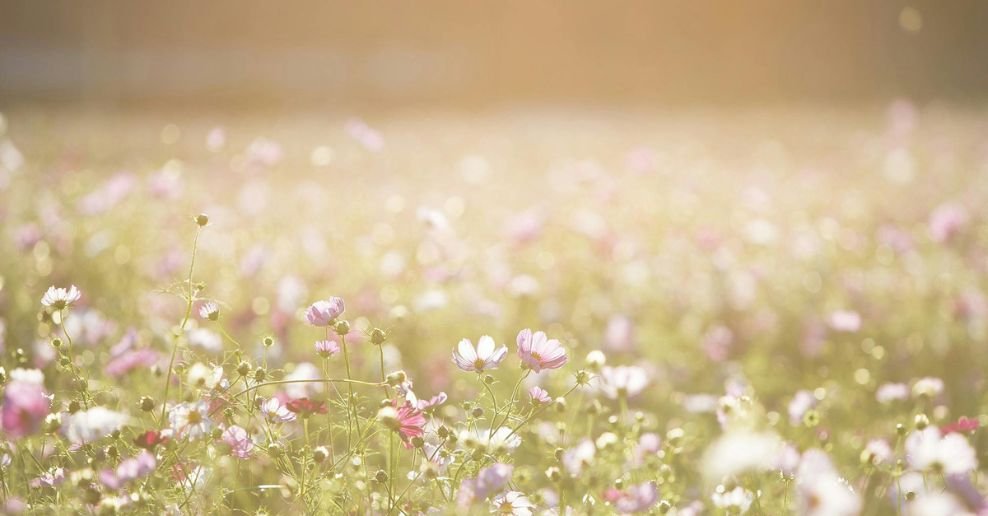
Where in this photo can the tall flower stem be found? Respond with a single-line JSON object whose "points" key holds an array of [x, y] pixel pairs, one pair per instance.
{"points": [[181, 328]]}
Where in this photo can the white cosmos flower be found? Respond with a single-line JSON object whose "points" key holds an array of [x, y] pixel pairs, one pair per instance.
{"points": [[60, 298], [735, 501], [484, 357], [927, 450], [622, 381], [190, 419], [512, 502], [739, 451], [27, 375], [89, 425], [579, 457], [203, 376]]}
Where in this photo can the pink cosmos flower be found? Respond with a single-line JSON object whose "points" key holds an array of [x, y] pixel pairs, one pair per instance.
{"points": [[129, 469], [539, 395], [410, 423], [636, 498], [489, 481], [432, 402], [538, 352], [484, 357], [947, 220], [24, 408], [325, 312], [239, 441], [327, 348], [130, 360]]}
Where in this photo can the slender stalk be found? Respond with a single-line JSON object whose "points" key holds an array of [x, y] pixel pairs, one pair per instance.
{"points": [[185, 321]]}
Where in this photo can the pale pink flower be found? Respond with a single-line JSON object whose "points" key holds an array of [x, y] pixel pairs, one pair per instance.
{"points": [[239, 441], [129, 360], [539, 395], [484, 357], [327, 348], [489, 481], [636, 498], [432, 402], [25, 406], [889, 392], [947, 220], [275, 411], [538, 352], [847, 321], [128, 470], [325, 312]]}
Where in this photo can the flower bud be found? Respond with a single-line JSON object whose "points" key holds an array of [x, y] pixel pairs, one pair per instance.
{"points": [[388, 417], [320, 454], [202, 219], [147, 403], [396, 378], [922, 421], [378, 337], [381, 477], [341, 327], [243, 369]]}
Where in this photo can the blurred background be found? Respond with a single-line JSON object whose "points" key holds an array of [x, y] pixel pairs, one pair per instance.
{"points": [[455, 53]]}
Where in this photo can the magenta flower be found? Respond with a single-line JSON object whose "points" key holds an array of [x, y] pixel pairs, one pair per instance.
{"points": [[239, 441], [24, 408], [538, 352], [327, 348], [325, 312], [485, 356], [410, 423]]}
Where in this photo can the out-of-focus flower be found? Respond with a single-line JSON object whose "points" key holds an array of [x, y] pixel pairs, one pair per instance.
{"points": [[151, 438], [735, 501], [622, 381], [90, 425], [637, 498], [205, 339], [877, 451], [579, 457], [364, 134], [538, 352], [325, 312], [489, 481], [129, 360], [60, 298], [821, 491], [25, 406], [203, 376], [947, 220], [128, 470], [327, 348], [951, 454], [739, 451], [800, 404], [306, 407], [215, 139], [485, 356], [51, 478], [620, 333], [847, 321], [239, 441], [889, 392], [927, 387], [512, 502], [962, 425]]}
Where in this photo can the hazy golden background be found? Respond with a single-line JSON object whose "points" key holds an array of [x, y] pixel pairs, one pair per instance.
{"points": [[266, 53]]}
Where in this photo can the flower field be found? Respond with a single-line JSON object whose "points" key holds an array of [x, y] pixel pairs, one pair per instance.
{"points": [[682, 312]]}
